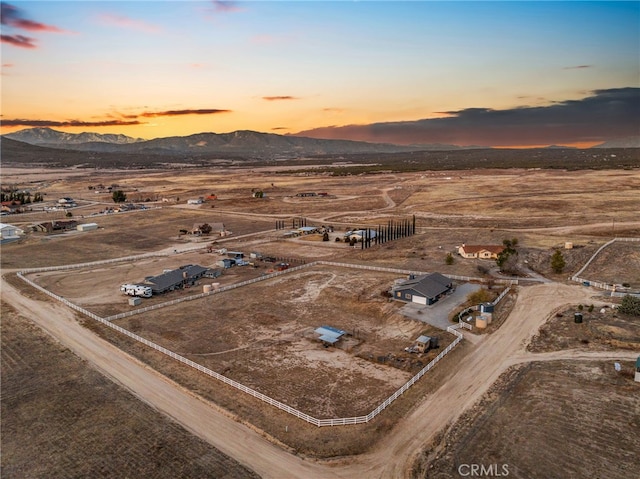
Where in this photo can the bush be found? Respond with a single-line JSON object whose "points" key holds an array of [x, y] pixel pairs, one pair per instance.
{"points": [[480, 296], [630, 305]]}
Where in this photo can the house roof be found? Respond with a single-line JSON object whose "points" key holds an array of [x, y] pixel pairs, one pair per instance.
{"points": [[428, 285], [171, 278], [470, 248]]}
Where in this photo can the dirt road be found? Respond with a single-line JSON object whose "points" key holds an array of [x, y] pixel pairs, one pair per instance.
{"points": [[391, 458]]}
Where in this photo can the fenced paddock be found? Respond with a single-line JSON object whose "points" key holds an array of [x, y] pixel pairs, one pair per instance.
{"points": [[359, 419]]}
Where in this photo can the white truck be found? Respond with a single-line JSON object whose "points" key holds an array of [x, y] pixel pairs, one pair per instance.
{"points": [[137, 290]]}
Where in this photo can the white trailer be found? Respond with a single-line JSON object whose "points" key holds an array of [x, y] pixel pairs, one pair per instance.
{"points": [[137, 290]]}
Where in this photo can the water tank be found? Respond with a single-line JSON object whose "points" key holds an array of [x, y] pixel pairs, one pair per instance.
{"points": [[487, 308], [206, 288], [487, 317], [481, 322], [577, 317], [134, 301]]}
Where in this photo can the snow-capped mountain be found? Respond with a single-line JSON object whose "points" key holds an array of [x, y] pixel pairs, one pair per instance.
{"points": [[53, 138]]}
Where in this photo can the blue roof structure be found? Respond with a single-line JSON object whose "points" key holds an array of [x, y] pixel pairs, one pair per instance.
{"points": [[329, 334]]}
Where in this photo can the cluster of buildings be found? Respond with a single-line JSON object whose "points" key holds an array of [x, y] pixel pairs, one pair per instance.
{"points": [[170, 280]]}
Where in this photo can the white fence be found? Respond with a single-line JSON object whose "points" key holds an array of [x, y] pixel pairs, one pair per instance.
{"points": [[305, 417]]}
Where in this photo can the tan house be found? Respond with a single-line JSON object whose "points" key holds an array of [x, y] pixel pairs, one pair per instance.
{"points": [[480, 251], [216, 229]]}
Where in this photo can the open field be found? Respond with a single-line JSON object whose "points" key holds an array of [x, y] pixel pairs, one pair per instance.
{"points": [[61, 418], [601, 329], [546, 419], [260, 335]]}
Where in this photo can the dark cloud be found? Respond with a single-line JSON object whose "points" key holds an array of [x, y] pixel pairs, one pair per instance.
{"points": [[19, 41], [279, 98], [51, 123], [605, 114], [578, 67], [279, 128], [13, 17], [124, 120], [181, 112]]}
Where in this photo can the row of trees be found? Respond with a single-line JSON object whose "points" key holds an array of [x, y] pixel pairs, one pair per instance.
{"points": [[21, 197]]}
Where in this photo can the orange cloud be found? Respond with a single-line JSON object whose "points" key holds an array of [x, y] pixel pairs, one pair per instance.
{"points": [[278, 98], [182, 112], [50, 123]]}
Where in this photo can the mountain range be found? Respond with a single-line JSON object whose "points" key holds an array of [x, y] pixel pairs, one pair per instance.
{"points": [[243, 142], [47, 146]]}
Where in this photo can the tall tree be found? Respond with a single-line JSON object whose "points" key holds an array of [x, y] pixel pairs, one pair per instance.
{"points": [[119, 196], [557, 262]]}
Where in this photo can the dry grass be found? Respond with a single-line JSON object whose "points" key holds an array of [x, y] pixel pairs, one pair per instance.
{"points": [[86, 425], [543, 420]]}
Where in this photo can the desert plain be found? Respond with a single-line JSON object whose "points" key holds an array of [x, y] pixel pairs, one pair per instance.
{"points": [[536, 381]]}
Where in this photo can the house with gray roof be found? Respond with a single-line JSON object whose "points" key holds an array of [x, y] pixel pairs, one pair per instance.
{"points": [[424, 289], [184, 276]]}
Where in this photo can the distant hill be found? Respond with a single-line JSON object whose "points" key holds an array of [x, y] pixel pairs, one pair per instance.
{"points": [[16, 153], [243, 142], [629, 142]]}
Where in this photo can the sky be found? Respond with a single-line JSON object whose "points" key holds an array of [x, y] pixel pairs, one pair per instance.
{"points": [[502, 74]]}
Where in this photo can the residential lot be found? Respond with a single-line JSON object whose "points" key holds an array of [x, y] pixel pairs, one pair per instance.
{"points": [[262, 335]]}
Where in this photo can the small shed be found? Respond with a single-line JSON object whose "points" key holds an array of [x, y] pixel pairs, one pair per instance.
{"points": [[329, 335], [226, 262], [423, 344], [87, 227]]}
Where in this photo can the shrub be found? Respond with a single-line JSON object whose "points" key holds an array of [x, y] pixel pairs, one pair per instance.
{"points": [[630, 305]]}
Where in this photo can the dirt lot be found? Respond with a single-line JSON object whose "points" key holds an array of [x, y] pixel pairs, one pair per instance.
{"points": [[605, 267], [63, 419], [549, 419], [481, 206], [275, 350], [601, 329]]}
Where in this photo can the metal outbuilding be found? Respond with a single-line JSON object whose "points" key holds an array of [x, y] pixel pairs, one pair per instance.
{"points": [[87, 227], [329, 335]]}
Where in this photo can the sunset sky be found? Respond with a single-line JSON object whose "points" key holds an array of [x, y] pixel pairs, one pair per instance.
{"points": [[485, 73]]}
